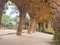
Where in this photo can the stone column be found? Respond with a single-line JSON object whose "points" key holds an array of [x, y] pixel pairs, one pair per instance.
{"points": [[20, 24], [34, 26], [30, 25], [45, 26], [22, 9], [49, 24]]}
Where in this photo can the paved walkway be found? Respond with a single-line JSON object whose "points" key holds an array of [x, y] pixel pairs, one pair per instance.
{"points": [[37, 38]]}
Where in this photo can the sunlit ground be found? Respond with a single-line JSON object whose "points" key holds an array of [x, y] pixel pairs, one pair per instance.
{"points": [[9, 37]]}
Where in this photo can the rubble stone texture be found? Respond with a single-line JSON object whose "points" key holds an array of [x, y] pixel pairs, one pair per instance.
{"points": [[54, 6], [39, 10]]}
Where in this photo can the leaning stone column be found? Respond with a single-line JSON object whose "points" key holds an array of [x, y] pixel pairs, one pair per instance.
{"points": [[45, 26], [34, 26], [30, 25], [20, 24]]}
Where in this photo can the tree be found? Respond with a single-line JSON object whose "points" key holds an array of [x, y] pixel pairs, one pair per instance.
{"points": [[12, 7], [5, 20]]}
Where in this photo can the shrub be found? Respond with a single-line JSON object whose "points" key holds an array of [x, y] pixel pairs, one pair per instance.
{"points": [[55, 40]]}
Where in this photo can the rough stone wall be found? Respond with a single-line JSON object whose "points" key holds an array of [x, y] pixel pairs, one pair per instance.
{"points": [[54, 6], [39, 10], [2, 3], [38, 7]]}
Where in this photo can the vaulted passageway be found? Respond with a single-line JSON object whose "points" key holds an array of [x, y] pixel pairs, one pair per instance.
{"points": [[37, 8]]}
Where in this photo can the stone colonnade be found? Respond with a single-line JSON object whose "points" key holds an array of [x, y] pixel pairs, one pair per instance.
{"points": [[36, 8]]}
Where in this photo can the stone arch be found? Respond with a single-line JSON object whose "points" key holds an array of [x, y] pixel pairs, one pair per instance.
{"points": [[22, 6], [2, 3]]}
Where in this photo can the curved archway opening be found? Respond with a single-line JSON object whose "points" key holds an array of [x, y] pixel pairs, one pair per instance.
{"points": [[26, 21], [10, 16]]}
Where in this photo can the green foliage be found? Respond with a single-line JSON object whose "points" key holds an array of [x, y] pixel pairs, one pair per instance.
{"points": [[8, 4], [40, 27], [37, 29], [5, 19], [46, 24], [7, 22], [26, 20], [49, 33], [55, 40], [15, 18]]}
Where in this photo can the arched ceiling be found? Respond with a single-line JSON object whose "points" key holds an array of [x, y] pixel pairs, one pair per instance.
{"points": [[40, 10], [36, 8]]}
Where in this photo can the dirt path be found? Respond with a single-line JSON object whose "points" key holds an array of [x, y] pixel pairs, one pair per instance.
{"points": [[37, 38]]}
